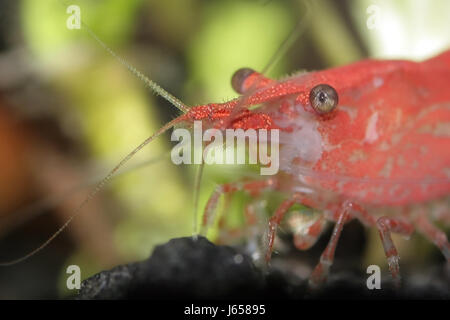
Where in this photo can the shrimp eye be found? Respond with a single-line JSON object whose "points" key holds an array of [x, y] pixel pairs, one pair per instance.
{"points": [[238, 79], [323, 98]]}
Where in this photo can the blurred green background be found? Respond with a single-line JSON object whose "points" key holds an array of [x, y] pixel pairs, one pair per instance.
{"points": [[70, 112]]}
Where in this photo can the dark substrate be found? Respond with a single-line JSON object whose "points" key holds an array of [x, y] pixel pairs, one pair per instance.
{"points": [[185, 268]]}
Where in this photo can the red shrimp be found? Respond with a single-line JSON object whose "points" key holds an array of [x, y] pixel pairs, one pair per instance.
{"points": [[369, 141]]}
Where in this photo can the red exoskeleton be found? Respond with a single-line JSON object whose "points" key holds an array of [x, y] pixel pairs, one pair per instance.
{"points": [[373, 145], [367, 141]]}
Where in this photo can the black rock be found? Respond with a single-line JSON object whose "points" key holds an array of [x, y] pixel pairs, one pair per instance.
{"points": [[185, 268], [181, 268], [109, 285]]}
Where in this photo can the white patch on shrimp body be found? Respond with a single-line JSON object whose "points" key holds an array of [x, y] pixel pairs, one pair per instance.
{"points": [[304, 142], [371, 129]]}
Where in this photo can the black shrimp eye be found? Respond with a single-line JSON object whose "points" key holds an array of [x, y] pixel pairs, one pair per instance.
{"points": [[238, 79], [323, 98]]}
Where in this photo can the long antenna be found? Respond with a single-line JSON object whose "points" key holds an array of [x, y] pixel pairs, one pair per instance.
{"points": [[157, 89], [35, 209], [149, 83], [91, 195]]}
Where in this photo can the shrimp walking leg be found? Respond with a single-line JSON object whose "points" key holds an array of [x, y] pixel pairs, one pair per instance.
{"points": [[385, 226], [320, 272], [275, 220], [345, 212], [253, 187]]}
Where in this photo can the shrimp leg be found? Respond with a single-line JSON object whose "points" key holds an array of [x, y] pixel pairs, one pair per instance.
{"points": [[320, 272], [252, 187], [302, 242], [385, 226], [342, 216]]}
